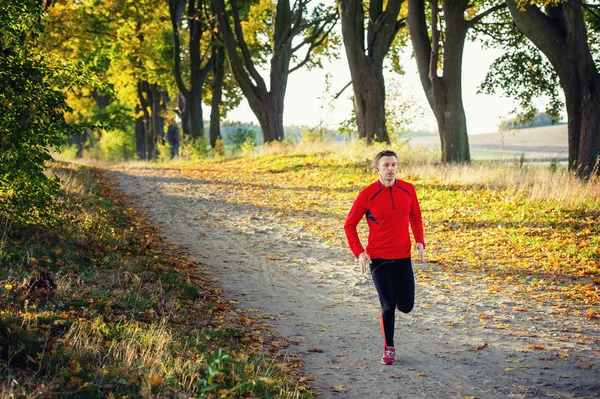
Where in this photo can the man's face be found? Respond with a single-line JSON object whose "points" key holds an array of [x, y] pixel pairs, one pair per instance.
{"points": [[387, 168]]}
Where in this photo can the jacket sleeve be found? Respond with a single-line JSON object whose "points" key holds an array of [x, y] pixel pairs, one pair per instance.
{"points": [[416, 223], [354, 217]]}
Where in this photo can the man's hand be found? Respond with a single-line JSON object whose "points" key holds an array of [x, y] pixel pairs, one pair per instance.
{"points": [[419, 248], [363, 260]]}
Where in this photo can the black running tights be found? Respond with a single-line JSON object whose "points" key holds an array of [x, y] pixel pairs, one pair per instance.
{"points": [[395, 284]]}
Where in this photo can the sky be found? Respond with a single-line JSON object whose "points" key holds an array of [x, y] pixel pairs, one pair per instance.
{"points": [[307, 102]]}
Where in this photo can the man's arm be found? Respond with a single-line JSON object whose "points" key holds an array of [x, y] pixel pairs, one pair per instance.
{"points": [[354, 217], [416, 225]]}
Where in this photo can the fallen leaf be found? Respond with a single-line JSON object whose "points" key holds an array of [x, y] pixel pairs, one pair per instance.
{"points": [[339, 388], [156, 380], [478, 348]]}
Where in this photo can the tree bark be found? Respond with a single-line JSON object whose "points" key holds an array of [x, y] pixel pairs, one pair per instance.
{"points": [[158, 122], [366, 63], [145, 98], [217, 95], [184, 114], [199, 68], [369, 102], [560, 34], [140, 133], [444, 93]]}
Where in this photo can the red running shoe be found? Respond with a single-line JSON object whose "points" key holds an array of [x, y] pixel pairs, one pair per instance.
{"points": [[388, 355]]}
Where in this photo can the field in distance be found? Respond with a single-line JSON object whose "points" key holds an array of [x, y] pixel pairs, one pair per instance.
{"points": [[538, 144]]}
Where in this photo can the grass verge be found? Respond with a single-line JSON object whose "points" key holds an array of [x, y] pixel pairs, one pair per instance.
{"points": [[94, 303]]}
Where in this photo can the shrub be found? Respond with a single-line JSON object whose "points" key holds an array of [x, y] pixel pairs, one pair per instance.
{"points": [[242, 135], [196, 148]]}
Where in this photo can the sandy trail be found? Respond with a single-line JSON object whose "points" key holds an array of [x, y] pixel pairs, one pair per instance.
{"points": [[317, 297]]}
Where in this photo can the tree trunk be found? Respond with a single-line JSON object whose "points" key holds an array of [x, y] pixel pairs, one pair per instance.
{"points": [[198, 69], [217, 95], [158, 122], [140, 142], [196, 118], [369, 103], [145, 98], [561, 35], [270, 117], [366, 64], [444, 93], [184, 114], [453, 130]]}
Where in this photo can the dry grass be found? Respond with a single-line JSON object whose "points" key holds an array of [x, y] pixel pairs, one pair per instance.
{"points": [[539, 182]]}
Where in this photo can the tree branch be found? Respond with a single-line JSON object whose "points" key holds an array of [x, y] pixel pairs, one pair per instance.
{"points": [[435, 40], [237, 25], [175, 11], [376, 15], [384, 31], [341, 91], [589, 8], [318, 30], [236, 64], [313, 44], [419, 37], [484, 14], [488, 33]]}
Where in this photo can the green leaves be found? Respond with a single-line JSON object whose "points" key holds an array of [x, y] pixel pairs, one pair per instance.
{"points": [[524, 74], [32, 113]]}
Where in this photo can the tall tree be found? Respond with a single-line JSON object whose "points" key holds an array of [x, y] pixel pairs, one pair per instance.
{"points": [[200, 54], [285, 41], [559, 31], [439, 45], [366, 59], [126, 44]]}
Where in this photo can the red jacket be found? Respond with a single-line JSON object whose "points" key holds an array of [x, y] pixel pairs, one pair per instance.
{"points": [[389, 210]]}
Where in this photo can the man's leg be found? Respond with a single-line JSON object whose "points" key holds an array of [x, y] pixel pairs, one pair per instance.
{"points": [[404, 283], [381, 272]]}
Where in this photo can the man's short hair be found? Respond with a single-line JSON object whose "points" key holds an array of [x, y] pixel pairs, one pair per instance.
{"points": [[384, 153]]}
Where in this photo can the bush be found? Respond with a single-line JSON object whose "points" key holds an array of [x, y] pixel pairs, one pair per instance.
{"points": [[241, 136], [163, 150], [196, 148], [113, 146], [68, 152], [219, 147]]}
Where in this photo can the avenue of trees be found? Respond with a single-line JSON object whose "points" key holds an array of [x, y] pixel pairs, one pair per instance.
{"points": [[71, 71]]}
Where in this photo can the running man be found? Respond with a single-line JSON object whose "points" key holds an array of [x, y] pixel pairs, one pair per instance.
{"points": [[390, 205]]}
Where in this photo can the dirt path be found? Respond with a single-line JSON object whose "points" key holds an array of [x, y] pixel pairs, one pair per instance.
{"points": [[460, 341]]}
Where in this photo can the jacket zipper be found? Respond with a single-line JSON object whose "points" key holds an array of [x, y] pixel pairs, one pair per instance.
{"points": [[392, 195]]}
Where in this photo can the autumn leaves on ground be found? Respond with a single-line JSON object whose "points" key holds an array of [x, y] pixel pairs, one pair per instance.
{"points": [[95, 303]]}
